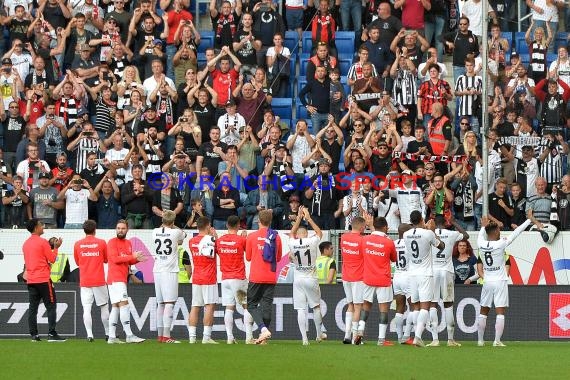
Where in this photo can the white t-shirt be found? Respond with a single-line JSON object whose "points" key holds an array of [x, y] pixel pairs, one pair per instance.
{"points": [[271, 52], [22, 63], [419, 242], [229, 128], [150, 84], [117, 155], [166, 248], [563, 71], [300, 149], [473, 11], [550, 11], [76, 206], [11, 5], [442, 258]]}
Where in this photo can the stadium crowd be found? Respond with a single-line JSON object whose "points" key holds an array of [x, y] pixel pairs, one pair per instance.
{"points": [[100, 97]]}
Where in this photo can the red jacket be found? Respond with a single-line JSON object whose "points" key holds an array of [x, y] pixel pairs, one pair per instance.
{"points": [[120, 256], [38, 257]]}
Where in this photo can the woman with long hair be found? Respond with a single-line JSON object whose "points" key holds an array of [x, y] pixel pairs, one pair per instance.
{"points": [[131, 81], [464, 263], [538, 48], [187, 128]]}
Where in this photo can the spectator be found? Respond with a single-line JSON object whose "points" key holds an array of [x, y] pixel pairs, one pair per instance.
{"points": [[527, 171], [323, 28], [551, 150], [464, 263], [379, 50], [14, 127], [473, 9], [203, 191], [204, 108], [108, 202], [167, 198], [355, 72], [323, 198], [235, 168], [30, 168], [225, 23], [291, 212], [318, 101], [87, 141], [226, 200], [366, 89], [76, 195], [432, 91], [321, 58], [562, 197], [263, 198], [469, 88], [538, 207], [463, 42], [267, 22], [500, 206], [43, 202], [15, 202], [404, 90], [197, 211], [246, 46], [464, 187], [354, 205], [211, 153], [331, 140], [225, 78], [552, 103], [136, 199], [53, 130], [248, 149], [543, 14], [413, 47], [249, 104], [115, 160], [519, 205], [389, 24], [439, 198]]}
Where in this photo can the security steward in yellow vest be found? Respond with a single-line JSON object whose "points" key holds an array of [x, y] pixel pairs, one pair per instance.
{"points": [[60, 269], [325, 264], [185, 266]]}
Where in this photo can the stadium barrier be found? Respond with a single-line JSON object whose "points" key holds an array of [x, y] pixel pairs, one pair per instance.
{"points": [[535, 313], [532, 261]]}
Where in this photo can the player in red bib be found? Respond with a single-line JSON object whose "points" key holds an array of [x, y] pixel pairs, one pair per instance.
{"points": [[352, 275], [120, 256], [204, 279], [378, 251], [90, 255], [231, 250]]}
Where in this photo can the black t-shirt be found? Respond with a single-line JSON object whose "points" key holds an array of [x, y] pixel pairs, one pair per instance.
{"points": [[54, 15], [211, 159], [19, 30], [205, 115], [144, 125], [247, 54], [13, 131], [142, 37], [46, 78], [334, 151], [72, 41], [413, 147], [497, 211]]}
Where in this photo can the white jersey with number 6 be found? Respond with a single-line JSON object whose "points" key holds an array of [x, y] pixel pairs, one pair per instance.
{"points": [[305, 252], [442, 257], [419, 242], [492, 253], [166, 248]]}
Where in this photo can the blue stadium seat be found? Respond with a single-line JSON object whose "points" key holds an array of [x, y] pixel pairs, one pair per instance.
{"points": [[561, 40], [344, 82], [282, 107], [206, 40], [522, 47], [508, 36], [201, 59], [302, 111], [525, 58], [304, 59], [291, 41], [344, 63], [344, 42], [307, 42], [551, 57], [301, 82]]}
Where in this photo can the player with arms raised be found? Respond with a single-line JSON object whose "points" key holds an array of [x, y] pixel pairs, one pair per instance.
{"points": [[204, 279], [231, 248], [444, 278], [401, 287], [419, 241], [121, 256], [90, 254], [352, 273], [491, 267], [166, 268], [378, 250], [304, 251]]}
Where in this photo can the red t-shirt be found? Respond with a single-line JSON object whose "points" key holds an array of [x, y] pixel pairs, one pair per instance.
{"points": [[378, 251], [38, 256], [174, 19], [352, 261], [260, 271], [231, 249], [413, 15], [120, 257], [203, 251], [36, 112], [90, 254], [224, 84]]}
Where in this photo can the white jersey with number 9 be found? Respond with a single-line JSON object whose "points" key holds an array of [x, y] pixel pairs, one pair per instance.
{"points": [[419, 242]]}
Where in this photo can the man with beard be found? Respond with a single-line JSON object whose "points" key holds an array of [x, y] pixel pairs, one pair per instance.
{"points": [[211, 153], [224, 78], [153, 151], [121, 256], [13, 125], [76, 195], [246, 46], [54, 131], [136, 199], [225, 22], [43, 202], [367, 88]]}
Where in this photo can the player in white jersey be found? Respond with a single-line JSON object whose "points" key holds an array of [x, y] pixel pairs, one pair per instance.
{"points": [[304, 251], [444, 279], [491, 267], [419, 241], [401, 287], [166, 239]]}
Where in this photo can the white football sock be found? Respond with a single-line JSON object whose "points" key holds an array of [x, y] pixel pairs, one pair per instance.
{"points": [[318, 319], [229, 322], [113, 320], [192, 331], [248, 322], [167, 320], [347, 324], [88, 320], [408, 326], [450, 321], [399, 321], [481, 327], [160, 319], [434, 325], [499, 327], [382, 331], [361, 327], [105, 318], [415, 314], [124, 311], [207, 333], [354, 328], [423, 316], [302, 322]]}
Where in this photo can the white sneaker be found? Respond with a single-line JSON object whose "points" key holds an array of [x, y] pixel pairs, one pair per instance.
{"points": [[499, 344], [452, 343], [209, 341], [192, 340], [232, 341], [418, 342], [114, 341], [480, 344], [305, 343], [134, 339], [434, 343], [250, 341], [263, 336]]}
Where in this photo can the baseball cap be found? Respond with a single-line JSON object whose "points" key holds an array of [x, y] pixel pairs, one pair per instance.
{"points": [[43, 175], [157, 41], [324, 161], [6, 61], [294, 198]]}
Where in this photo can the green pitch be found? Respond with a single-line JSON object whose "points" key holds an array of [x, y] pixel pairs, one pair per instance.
{"points": [[78, 359]]}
